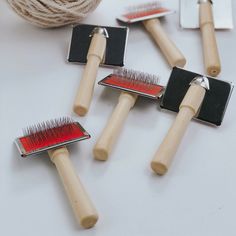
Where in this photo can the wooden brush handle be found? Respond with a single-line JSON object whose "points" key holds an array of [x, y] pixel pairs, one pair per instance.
{"points": [[188, 108], [79, 199], [168, 48], [109, 135], [86, 87], [210, 50]]}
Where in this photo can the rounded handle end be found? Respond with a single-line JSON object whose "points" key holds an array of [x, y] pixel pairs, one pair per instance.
{"points": [[213, 70], [159, 168], [181, 62], [89, 221], [80, 110], [100, 153]]}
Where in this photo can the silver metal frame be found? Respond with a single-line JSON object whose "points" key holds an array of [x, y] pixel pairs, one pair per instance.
{"points": [[130, 21], [23, 152], [131, 90]]}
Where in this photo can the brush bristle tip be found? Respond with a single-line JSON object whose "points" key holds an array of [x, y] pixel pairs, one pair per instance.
{"points": [[136, 76], [49, 135]]}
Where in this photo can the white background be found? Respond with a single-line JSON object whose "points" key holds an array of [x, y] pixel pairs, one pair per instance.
{"points": [[196, 197]]}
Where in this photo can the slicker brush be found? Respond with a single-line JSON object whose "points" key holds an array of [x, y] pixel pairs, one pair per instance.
{"points": [[133, 84], [53, 136], [148, 13]]}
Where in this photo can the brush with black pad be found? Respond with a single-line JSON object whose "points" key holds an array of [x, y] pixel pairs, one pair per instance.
{"points": [[94, 46], [193, 96]]}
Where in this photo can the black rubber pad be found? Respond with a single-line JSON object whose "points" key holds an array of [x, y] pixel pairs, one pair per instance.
{"points": [[116, 44], [215, 101]]}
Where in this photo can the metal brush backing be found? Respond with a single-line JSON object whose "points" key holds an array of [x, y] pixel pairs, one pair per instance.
{"points": [[215, 101], [115, 49]]}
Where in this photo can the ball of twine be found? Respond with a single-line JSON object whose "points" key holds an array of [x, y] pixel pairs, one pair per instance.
{"points": [[53, 13]]}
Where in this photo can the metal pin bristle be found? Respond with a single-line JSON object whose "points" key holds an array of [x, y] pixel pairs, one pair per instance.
{"points": [[49, 135], [47, 125], [136, 76], [144, 7]]}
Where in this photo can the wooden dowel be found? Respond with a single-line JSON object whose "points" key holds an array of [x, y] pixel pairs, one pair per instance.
{"points": [[168, 48], [188, 108], [86, 87], [210, 49], [114, 125], [83, 208]]}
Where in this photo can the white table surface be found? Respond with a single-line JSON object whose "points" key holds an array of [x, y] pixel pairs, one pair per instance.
{"points": [[196, 197]]}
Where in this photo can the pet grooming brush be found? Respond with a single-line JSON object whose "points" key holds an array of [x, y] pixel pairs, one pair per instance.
{"points": [[207, 15], [95, 45], [133, 84], [53, 136], [148, 13], [192, 96]]}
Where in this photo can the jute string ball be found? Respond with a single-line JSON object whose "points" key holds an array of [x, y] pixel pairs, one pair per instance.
{"points": [[53, 13]]}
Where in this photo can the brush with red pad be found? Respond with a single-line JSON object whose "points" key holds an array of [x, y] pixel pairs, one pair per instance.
{"points": [[133, 81], [148, 14], [133, 84], [53, 136]]}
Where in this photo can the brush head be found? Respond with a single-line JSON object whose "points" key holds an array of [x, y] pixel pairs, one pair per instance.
{"points": [[215, 101], [143, 12], [222, 14], [49, 135], [115, 46], [133, 81]]}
